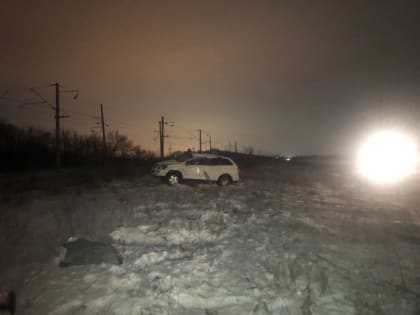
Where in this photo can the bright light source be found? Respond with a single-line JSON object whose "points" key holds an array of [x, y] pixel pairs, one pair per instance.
{"points": [[387, 156]]}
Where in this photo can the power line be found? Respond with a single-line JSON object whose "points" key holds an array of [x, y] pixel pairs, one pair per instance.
{"points": [[71, 112], [15, 100], [37, 106], [80, 113], [20, 108], [96, 117], [44, 101], [121, 123], [44, 86], [181, 137], [45, 110]]}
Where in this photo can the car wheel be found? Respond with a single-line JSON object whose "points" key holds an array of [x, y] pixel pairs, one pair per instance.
{"points": [[173, 178], [224, 180]]}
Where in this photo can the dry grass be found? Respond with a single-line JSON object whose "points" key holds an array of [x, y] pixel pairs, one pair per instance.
{"points": [[324, 204], [20, 187]]}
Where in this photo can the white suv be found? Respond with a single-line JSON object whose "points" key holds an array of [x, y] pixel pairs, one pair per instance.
{"points": [[209, 167]]}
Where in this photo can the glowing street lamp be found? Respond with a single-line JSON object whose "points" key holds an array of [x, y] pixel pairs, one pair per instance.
{"points": [[387, 156]]}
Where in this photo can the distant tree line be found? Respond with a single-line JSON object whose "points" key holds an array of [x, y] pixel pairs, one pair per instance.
{"points": [[23, 148]]}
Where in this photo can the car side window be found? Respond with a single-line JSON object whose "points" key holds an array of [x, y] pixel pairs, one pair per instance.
{"points": [[204, 161], [227, 162], [192, 162], [214, 161], [198, 161], [221, 161]]}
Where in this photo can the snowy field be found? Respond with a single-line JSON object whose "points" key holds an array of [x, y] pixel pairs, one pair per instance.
{"points": [[287, 239]]}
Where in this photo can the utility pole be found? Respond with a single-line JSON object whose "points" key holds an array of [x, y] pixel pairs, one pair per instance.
{"points": [[162, 137], [210, 142], [199, 137], [57, 126], [230, 146], [57, 116], [236, 147], [103, 134]]}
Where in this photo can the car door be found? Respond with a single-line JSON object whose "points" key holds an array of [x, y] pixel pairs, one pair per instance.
{"points": [[219, 167], [194, 169], [207, 168]]}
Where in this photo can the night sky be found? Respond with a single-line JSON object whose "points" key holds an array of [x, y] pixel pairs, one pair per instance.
{"points": [[292, 77]]}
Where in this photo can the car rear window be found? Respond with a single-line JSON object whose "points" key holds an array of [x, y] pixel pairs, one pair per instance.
{"points": [[220, 161]]}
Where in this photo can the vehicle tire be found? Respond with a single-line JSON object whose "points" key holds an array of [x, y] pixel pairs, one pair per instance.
{"points": [[224, 180], [173, 178]]}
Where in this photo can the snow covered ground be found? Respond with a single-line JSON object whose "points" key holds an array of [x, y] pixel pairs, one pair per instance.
{"points": [[282, 241]]}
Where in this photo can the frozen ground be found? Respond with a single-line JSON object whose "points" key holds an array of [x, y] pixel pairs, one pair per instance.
{"points": [[286, 240]]}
